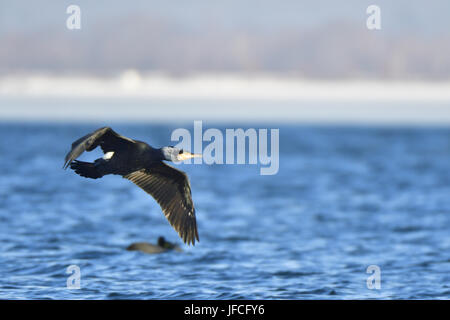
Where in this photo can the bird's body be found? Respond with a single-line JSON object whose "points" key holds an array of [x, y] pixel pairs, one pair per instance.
{"points": [[160, 247], [143, 165]]}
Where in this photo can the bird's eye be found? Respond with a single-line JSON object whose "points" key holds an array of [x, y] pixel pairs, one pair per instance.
{"points": [[181, 151]]}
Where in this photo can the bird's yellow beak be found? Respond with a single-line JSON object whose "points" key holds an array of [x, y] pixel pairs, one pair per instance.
{"points": [[187, 155]]}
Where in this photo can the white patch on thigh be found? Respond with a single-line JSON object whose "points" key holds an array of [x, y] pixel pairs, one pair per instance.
{"points": [[108, 155]]}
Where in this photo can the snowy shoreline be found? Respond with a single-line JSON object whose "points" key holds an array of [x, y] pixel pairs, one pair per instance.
{"points": [[131, 84], [231, 98]]}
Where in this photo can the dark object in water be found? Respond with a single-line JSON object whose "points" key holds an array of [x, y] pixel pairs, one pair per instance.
{"points": [[146, 247], [143, 165]]}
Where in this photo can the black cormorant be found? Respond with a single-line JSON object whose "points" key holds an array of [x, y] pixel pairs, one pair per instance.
{"points": [[144, 166], [162, 246]]}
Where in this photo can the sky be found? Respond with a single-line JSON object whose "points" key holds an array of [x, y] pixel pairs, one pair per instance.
{"points": [[322, 39]]}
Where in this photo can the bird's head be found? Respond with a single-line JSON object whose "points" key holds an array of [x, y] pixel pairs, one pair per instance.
{"points": [[176, 154], [165, 244], [161, 241]]}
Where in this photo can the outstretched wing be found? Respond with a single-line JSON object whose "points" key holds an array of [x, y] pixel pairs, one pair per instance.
{"points": [[105, 137], [171, 189]]}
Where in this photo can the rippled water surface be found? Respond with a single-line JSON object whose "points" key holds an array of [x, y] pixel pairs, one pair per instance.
{"points": [[344, 199]]}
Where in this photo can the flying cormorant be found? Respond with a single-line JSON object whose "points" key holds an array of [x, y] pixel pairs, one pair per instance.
{"points": [[143, 165]]}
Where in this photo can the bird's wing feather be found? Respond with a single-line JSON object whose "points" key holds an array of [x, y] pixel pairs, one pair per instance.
{"points": [[107, 138], [171, 189]]}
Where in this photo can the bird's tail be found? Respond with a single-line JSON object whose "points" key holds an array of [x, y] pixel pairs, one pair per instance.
{"points": [[86, 169]]}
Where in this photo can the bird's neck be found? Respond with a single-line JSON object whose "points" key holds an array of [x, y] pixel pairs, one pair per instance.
{"points": [[161, 155], [166, 153]]}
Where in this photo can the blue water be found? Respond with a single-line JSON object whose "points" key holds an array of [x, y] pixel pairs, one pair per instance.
{"points": [[344, 199]]}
